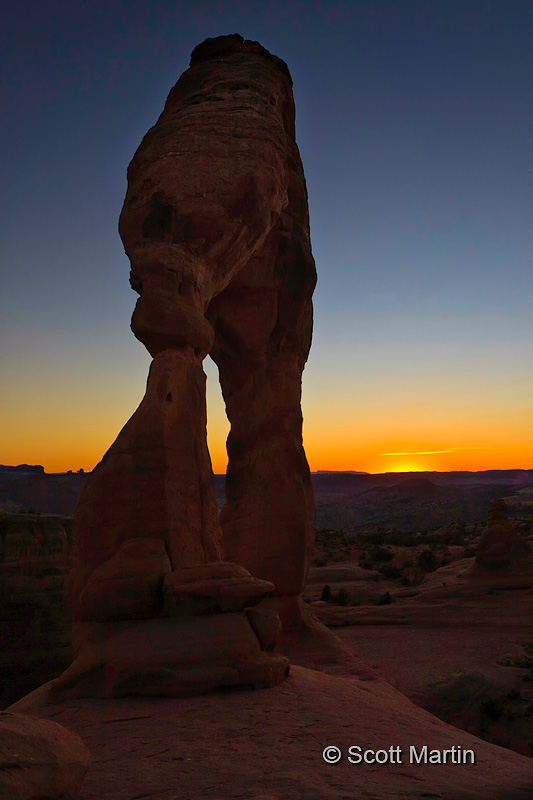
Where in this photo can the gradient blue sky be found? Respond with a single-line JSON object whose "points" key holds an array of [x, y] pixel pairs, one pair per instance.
{"points": [[414, 122]]}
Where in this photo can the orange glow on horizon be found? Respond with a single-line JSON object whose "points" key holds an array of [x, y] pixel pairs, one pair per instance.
{"points": [[86, 451], [71, 432]]}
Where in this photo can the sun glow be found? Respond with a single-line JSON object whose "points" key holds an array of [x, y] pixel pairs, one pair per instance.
{"points": [[406, 466]]}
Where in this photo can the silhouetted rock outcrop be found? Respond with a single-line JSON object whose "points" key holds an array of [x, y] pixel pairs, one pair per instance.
{"points": [[215, 224], [503, 559], [500, 546]]}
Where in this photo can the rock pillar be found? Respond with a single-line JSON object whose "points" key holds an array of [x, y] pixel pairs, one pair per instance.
{"points": [[215, 224]]}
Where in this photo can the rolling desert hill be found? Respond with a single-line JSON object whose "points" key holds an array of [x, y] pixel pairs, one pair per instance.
{"points": [[347, 500]]}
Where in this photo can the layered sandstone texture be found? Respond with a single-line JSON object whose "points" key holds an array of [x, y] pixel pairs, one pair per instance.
{"points": [[215, 224]]}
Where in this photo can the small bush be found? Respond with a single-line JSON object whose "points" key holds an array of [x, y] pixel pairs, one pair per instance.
{"points": [[390, 571], [341, 598], [427, 560], [326, 593], [381, 554], [492, 709]]}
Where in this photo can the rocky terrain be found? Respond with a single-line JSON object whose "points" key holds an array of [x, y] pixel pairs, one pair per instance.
{"points": [[343, 500], [198, 671], [35, 622], [445, 618], [40, 492]]}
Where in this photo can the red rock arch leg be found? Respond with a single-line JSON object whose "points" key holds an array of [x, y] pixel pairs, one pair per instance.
{"points": [[263, 324]]}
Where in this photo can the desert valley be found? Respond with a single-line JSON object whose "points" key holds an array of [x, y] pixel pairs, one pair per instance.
{"points": [[400, 575]]}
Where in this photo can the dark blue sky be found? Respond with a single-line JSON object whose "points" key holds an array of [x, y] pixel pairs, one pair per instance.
{"points": [[414, 121]]}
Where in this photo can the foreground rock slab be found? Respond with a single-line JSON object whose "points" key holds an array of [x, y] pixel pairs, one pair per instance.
{"points": [[39, 759], [247, 745]]}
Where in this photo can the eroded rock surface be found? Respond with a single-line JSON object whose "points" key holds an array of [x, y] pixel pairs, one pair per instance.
{"points": [[40, 759], [215, 223], [503, 559]]}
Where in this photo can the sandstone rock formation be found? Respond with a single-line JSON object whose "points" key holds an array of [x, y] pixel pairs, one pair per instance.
{"points": [[39, 759], [500, 545], [503, 559], [215, 224]]}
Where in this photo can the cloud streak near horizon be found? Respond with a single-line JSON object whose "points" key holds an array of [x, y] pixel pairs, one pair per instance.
{"points": [[451, 450], [422, 452]]}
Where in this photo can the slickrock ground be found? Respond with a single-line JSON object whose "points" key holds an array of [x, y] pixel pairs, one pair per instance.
{"points": [[459, 647], [268, 745], [39, 759]]}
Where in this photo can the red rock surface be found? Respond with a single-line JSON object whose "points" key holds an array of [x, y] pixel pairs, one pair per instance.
{"points": [[500, 549], [217, 192], [156, 480], [248, 745], [215, 224], [39, 759]]}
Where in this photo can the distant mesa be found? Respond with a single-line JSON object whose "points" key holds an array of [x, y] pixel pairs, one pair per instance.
{"points": [[20, 469], [339, 472]]}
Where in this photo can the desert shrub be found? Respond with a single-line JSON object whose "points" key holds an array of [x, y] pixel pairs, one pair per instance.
{"points": [[491, 708], [381, 554], [328, 538], [384, 600], [319, 562], [405, 580], [371, 537], [401, 538], [390, 571], [427, 560], [367, 565], [326, 593], [341, 598], [469, 552]]}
